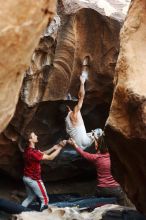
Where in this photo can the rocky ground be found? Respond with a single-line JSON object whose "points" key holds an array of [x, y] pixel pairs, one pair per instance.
{"points": [[15, 191], [106, 212]]}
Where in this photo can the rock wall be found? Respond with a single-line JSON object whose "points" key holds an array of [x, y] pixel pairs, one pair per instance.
{"points": [[126, 125], [115, 9], [21, 23], [54, 72], [74, 41]]}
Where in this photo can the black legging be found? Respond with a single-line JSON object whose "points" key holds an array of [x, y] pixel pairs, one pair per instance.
{"points": [[111, 192]]}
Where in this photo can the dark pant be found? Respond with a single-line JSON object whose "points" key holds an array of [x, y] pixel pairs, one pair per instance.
{"points": [[111, 192], [12, 207]]}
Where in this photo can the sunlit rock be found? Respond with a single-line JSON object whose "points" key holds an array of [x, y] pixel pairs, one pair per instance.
{"points": [[126, 125], [106, 212], [110, 8], [21, 24]]}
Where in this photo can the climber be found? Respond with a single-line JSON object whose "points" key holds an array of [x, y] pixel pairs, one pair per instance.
{"points": [[74, 122], [32, 170], [106, 185]]}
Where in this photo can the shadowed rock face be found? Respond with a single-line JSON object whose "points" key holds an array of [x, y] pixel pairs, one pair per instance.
{"points": [[54, 72], [126, 125], [21, 23]]}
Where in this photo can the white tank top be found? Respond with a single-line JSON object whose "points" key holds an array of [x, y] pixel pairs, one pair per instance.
{"points": [[78, 133]]}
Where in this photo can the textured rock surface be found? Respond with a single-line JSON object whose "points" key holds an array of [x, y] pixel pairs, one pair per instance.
{"points": [[37, 75], [54, 72], [114, 9], [106, 212], [45, 82], [126, 125], [21, 23], [76, 38]]}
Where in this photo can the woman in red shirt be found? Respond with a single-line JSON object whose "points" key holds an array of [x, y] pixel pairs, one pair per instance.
{"points": [[106, 185]]}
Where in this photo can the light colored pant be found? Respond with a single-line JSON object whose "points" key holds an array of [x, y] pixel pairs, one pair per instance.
{"points": [[35, 188]]}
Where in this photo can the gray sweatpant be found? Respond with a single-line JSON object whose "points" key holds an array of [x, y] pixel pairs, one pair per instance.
{"points": [[35, 188]]}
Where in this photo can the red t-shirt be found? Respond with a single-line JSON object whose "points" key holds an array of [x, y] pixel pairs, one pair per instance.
{"points": [[103, 168], [32, 167]]}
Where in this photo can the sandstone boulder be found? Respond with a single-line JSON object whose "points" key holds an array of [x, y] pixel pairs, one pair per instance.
{"points": [[126, 125], [115, 9], [21, 23]]}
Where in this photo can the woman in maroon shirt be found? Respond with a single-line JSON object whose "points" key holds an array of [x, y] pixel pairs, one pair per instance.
{"points": [[106, 185]]}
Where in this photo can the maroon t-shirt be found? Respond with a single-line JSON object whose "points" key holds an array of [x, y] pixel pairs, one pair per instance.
{"points": [[32, 167], [103, 168]]}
